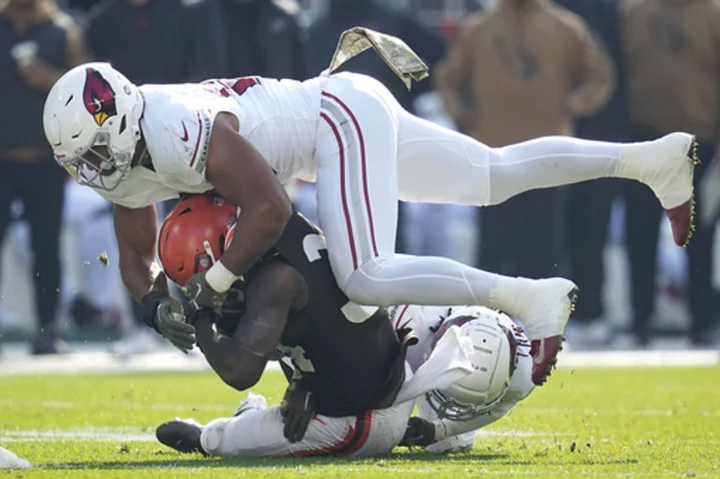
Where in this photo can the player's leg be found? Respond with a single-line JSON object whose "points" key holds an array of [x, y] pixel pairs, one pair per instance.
{"points": [[43, 192], [442, 166], [257, 431], [386, 428], [357, 210], [357, 207]]}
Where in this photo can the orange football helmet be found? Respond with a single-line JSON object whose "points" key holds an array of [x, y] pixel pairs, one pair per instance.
{"points": [[193, 236]]}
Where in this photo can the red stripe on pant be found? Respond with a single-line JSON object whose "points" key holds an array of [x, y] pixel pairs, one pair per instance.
{"points": [[400, 317], [346, 211], [355, 438], [363, 160], [364, 428]]}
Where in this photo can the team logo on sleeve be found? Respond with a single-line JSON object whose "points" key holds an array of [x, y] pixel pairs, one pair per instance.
{"points": [[98, 96]]}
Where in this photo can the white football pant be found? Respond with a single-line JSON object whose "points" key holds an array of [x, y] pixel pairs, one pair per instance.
{"points": [[258, 432], [370, 152]]}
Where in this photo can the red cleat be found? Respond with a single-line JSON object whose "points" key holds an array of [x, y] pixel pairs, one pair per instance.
{"points": [[682, 220], [544, 353], [667, 166]]}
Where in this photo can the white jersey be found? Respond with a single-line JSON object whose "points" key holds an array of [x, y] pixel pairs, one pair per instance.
{"points": [[278, 117]]}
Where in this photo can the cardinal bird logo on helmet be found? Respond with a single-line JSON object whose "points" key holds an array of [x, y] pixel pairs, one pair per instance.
{"points": [[99, 97]]}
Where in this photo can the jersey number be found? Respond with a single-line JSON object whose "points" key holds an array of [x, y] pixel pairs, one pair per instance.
{"points": [[312, 245], [238, 85]]}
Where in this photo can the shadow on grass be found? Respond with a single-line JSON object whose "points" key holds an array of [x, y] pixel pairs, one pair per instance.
{"points": [[395, 461], [173, 461]]}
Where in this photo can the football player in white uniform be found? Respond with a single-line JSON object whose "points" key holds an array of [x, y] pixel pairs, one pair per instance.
{"points": [[245, 137], [447, 420], [501, 377]]}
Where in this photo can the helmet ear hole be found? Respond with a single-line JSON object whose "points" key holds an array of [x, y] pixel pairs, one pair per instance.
{"points": [[123, 124], [202, 262]]}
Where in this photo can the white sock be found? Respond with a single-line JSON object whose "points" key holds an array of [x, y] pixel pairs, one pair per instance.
{"points": [[420, 280], [548, 162]]}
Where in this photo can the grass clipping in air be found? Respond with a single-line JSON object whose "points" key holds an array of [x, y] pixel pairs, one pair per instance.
{"points": [[103, 258]]}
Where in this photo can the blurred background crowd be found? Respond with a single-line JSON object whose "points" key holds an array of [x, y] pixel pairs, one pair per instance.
{"points": [[502, 71]]}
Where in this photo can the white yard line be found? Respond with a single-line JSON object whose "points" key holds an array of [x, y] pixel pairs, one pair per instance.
{"points": [[85, 434], [105, 363]]}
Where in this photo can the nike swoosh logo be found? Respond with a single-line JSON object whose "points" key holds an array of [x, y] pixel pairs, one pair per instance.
{"points": [[185, 133]]}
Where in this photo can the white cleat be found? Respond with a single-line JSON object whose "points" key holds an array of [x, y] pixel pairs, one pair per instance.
{"points": [[544, 307], [8, 460], [667, 166]]}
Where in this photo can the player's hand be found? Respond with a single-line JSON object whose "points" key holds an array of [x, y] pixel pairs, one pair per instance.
{"points": [[198, 291], [420, 432], [297, 410], [166, 314]]}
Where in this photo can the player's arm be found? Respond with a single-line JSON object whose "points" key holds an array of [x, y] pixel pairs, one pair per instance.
{"points": [[454, 77], [136, 231], [240, 359], [240, 174], [593, 72]]}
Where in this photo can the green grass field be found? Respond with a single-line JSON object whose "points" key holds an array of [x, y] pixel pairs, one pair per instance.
{"points": [[585, 423]]}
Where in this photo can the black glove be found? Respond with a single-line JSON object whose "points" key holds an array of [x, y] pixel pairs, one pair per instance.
{"points": [[166, 316], [198, 291], [419, 432], [297, 410]]}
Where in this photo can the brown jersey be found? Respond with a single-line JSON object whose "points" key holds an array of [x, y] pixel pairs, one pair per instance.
{"points": [[350, 367]]}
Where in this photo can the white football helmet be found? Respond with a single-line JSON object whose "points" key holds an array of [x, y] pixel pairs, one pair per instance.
{"points": [[494, 359], [92, 122]]}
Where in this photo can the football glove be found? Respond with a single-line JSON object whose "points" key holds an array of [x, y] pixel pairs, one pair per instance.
{"points": [[199, 292], [167, 317], [297, 410]]}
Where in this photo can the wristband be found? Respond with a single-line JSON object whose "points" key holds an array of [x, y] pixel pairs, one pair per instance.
{"points": [[219, 278]]}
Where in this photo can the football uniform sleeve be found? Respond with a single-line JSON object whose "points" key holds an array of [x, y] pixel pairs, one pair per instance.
{"points": [[190, 131], [178, 135]]}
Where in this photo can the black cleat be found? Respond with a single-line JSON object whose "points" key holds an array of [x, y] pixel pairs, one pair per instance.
{"points": [[181, 435]]}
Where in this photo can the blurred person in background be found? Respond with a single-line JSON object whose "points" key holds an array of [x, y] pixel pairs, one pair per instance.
{"points": [[39, 43], [92, 290], [157, 41], [346, 14], [520, 70], [264, 38], [80, 6], [588, 204], [673, 65]]}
